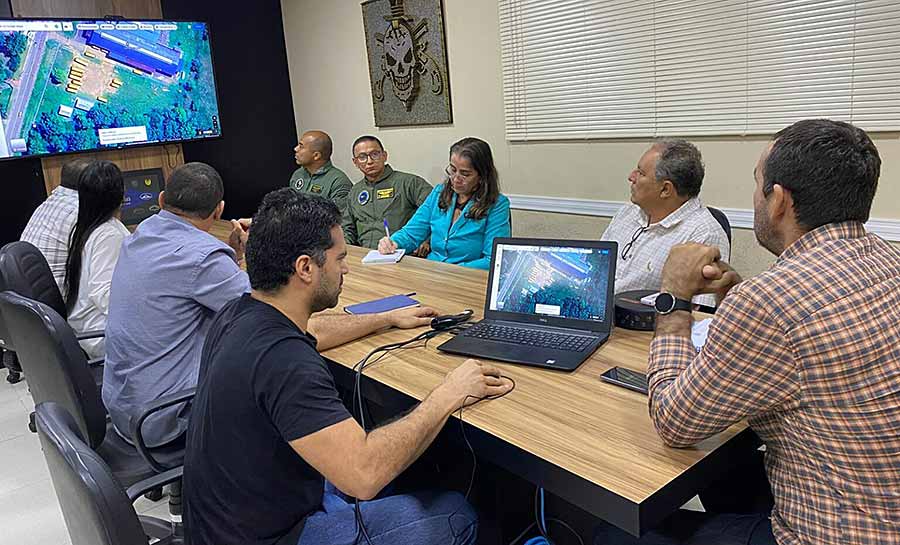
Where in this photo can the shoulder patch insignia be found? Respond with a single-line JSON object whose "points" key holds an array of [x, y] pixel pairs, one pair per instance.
{"points": [[363, 197]]}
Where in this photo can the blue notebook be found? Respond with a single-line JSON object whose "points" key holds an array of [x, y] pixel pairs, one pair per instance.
{"points": [[382, 305]]}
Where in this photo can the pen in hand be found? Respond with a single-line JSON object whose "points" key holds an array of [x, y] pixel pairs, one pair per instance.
{"points": [[387, 232]]}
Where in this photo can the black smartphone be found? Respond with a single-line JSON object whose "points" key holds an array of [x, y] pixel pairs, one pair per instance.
{"points": [[626, 378]]}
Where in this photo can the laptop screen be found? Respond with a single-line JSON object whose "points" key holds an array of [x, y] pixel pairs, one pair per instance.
{"points": [[555, 281]]}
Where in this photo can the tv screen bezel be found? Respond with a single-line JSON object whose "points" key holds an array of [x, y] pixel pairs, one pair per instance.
{"points": [[120, 147]]}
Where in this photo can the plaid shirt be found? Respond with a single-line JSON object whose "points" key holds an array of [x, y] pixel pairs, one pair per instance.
{"points": [[809, 351], [49, 229], [642, 270]]}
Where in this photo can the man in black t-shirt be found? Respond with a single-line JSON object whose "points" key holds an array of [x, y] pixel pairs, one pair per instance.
{"points": [[268, 427]]}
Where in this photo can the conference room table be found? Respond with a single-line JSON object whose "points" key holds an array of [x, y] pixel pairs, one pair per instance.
{"points": [[581, 439]]}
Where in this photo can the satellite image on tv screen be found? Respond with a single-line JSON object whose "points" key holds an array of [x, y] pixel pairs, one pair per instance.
{"points": [[81, 85], [562, 282]]}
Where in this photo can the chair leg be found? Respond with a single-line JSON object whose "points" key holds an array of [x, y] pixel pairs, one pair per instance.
{"points": [[175, 510], [154, 495], [31, 426], [11, 362]]}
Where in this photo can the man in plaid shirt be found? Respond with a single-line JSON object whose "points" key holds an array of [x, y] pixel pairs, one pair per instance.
{"points": [[51, 223], [808, 351]]}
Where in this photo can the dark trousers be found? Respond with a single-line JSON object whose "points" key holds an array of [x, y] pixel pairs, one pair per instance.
{"points": [[693, 528]]}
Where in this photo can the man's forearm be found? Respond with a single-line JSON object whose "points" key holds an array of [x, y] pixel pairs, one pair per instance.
{"points": [[390, 449], [676, 323], [335, 329]]}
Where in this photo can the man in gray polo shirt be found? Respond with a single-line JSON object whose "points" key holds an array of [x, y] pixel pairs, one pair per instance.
{"points": [[171, 278]]}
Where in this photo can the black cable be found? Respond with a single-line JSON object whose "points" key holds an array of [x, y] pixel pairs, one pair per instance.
{"points": [[359, 403], [523, 534], [565, 525]]}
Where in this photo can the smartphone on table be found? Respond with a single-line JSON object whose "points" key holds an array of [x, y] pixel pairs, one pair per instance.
{"points": [[626, 378]]}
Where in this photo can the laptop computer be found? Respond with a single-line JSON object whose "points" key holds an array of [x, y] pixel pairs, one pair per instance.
{"points": [[549, 303]]}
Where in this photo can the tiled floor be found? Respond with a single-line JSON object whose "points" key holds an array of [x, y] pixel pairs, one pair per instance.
{"points": [[29, 511]]}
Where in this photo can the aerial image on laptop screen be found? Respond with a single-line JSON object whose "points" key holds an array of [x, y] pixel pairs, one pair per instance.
{"points": [[551, 281], [69, 86]]}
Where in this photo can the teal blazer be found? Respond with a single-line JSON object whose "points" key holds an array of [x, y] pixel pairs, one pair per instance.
{"points": [[467, 242]]}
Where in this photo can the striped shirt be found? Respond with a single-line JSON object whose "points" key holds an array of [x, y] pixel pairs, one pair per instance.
{"points": [[641, 269], [49, 229], [809, 352]]}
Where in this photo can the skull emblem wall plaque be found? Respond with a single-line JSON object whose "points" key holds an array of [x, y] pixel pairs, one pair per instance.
{"points": [[407, 62]]}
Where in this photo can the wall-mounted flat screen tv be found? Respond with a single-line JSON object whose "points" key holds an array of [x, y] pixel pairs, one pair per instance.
{"points": [[79, 85]]}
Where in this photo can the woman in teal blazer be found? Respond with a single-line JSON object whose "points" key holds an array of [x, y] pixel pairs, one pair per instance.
{"points": [[462, 216]]}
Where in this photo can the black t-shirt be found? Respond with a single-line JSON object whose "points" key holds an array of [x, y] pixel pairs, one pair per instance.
{"points": [[262, 384]]}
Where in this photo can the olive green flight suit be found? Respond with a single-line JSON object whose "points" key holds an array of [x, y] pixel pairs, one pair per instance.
{"points": [[395, 196], [329, 182]]}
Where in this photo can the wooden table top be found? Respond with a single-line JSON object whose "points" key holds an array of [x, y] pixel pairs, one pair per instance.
{"points": [[592, 429]]}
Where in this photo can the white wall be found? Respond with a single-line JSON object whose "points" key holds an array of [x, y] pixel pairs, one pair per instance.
{"points": [[330, 84]]}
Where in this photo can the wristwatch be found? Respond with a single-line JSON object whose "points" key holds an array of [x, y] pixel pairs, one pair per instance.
{"points": [[667, 303]]}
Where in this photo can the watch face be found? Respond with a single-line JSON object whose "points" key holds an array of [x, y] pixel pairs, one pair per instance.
{"points": [[665, 302]]}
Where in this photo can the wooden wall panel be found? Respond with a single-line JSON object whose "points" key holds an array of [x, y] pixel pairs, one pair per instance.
{"points": [[165, 157], [87, 8]]}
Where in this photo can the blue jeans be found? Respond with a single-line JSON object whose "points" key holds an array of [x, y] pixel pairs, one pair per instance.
{"points": [[426, 518], [693, 528]]}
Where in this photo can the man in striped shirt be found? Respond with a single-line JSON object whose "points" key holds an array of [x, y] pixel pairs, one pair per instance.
{"points": [[808, 351]]}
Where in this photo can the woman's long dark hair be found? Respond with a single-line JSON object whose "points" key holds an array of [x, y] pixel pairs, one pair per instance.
{"points": [[100, 192], [478, 152]]}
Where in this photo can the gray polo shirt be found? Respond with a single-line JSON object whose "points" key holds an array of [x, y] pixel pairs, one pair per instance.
{"points": [[169, 281]]}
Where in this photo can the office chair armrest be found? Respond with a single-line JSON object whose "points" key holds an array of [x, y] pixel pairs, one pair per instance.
{"points": [[140, 488], [96, 362], [97, 333], [137, 424]]}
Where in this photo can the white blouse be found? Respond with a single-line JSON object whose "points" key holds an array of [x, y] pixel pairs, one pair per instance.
{"points": [[98, 260]]}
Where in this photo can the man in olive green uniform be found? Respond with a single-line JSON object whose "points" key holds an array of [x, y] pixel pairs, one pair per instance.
{"points": [[383, 194], [316, 175]]}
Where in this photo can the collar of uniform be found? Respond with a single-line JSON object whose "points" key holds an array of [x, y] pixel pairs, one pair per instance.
{"points": [[387, 172], [325, 168], [820, 235]]}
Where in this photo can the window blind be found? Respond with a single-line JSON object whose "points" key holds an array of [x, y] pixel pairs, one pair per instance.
{"points": [[579, 69]]}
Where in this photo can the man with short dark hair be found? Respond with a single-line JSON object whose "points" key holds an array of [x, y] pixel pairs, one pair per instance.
{"points": [[269, 427], [806, 352], [316, 174], [383, 195], [665, 210], [52, 222], [171, 278]]}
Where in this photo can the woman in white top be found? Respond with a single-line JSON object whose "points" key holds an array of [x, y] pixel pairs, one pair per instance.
{"points": [[93, 250]]}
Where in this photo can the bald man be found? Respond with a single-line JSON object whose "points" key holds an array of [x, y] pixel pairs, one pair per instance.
{"points": [[316, 174]]}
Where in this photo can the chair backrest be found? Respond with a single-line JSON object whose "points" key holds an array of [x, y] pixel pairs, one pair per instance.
{"points": [[54, 363], [96, 509], [723, 221], [24, 270]]}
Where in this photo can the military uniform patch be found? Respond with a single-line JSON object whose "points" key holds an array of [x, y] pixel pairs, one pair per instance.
{"points": [[298, 183], [363, 197], [315, 188], [386, 193]]}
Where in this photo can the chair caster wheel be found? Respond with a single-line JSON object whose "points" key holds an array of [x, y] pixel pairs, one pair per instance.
{"points": [[13, 377], [31, 425]]}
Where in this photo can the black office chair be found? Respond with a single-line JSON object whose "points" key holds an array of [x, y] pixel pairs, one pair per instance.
{"points": [[723, 221], [58, 371], [95, 507], [24, 270]]}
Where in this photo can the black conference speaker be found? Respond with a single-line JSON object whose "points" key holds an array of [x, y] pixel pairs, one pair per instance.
{"points": [[632, 314]]}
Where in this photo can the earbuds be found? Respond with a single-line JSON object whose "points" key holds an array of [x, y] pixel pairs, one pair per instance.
{"points": [[441, 323]]}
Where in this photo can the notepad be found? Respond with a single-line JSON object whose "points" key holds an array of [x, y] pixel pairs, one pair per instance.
{"points": [[382, 305], [375, 257]]}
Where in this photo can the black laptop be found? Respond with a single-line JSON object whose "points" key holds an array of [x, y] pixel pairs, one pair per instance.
{"points": [[549, 303]]}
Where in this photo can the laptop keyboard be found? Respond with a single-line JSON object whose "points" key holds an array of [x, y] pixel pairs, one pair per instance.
{"points": [[529, 337]]}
